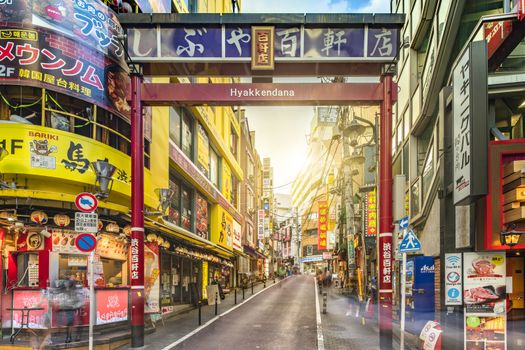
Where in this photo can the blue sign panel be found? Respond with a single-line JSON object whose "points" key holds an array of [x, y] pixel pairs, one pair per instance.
{"points": [[191, 42], [403, 223], [334, 42], [382, 42], [238, 42], [288, 42], [410, 243], [231, 41]]}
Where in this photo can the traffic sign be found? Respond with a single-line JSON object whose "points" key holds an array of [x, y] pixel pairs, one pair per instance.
{"points": [[410, 243], [403, 223], [86, 202], [86, 222], [86, 242]]}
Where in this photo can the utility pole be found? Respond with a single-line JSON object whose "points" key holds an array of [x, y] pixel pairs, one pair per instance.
{"points": [[347, 196]]}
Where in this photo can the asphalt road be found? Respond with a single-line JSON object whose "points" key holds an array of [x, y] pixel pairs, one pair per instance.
{"points": [[281, 318]]}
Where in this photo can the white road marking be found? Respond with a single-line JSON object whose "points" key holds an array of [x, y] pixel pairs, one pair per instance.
{"points": [[320, 339], [200, 328]]}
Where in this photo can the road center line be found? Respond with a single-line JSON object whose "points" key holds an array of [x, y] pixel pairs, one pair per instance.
{"points": [[200, 328], [320, 339]]}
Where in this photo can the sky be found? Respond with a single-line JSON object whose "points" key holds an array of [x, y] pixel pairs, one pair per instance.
{"points": [[280, 132]]}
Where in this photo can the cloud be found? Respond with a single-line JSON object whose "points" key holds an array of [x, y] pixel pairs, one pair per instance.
{"points": [[293, 6], [374, 6], [315, 6]]}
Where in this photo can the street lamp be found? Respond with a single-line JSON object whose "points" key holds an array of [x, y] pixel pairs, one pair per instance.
{"points": [[355, 161], [510, 237], [104, 171]]}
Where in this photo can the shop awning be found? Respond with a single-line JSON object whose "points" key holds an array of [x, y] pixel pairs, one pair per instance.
{"points": [[253, 252], [188, 236]]}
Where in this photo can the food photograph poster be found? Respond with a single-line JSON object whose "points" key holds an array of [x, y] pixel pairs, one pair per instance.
{"points": [[484, 291]]}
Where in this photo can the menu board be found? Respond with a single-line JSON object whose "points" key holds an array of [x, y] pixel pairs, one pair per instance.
{"points": [[109, 246], [484, 296], [64, 241]]}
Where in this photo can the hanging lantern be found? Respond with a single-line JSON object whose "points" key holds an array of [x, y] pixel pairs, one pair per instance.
{"points": [[112, 227], [127, 230], [160, 240], [100, 225], [166, 244], [39, 217], [61, 220]]}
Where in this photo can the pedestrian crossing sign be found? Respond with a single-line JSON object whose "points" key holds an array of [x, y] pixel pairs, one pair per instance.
{"points": [[410, 243]]}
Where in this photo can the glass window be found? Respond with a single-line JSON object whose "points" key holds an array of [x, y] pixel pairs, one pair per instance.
{"points": [[415, 191], [405, 160], [235, 191], [214, 168], [187, 135], [186, 208], [428, 169], [234, 140], [21, 104], [174, 210], [175, 125]]}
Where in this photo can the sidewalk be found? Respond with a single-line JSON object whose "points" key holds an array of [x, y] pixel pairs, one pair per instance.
{"points": [[185, 323], [342, 329]]}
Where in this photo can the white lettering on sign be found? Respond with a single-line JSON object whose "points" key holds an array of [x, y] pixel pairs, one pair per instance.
{"points": [[387, 264], [234, 92], [134, 259], [6, 2]]}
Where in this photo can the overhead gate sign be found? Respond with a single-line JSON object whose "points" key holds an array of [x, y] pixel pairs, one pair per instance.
{"points": [[234, 42]]}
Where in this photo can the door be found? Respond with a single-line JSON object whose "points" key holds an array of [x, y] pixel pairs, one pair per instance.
{"points": [[515, 268]]}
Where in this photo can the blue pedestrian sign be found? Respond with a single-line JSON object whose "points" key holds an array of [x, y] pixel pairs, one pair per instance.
{"points": [[410, 243], [403, 223]]}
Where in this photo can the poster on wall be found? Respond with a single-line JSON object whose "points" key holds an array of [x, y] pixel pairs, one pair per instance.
{"points": [[201, 216], [72, 48], [112, 305], [203, 151], [237, 236], [484, 296], [484, 287], [109, 246], [151, 278], [27, 298]]}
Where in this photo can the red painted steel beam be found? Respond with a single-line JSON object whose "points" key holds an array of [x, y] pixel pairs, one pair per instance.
{"points": [[299, 94], [137, 215], [385, 248]]}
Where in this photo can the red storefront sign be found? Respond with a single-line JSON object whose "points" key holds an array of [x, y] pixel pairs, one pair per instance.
{"points": [[29, 299], [495, 34], [521, 9], [322, 225], [112, 306], [263, 48], [371, 219]]}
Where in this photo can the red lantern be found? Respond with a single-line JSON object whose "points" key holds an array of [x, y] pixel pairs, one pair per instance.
{"points": [[39, 217], [61, 220]]}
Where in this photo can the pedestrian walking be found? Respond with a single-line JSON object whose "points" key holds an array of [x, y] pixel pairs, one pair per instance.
{"points": [[69, 302]]}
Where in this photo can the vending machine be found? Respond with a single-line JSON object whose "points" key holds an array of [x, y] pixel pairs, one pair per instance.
{"points": [[420, 293]]}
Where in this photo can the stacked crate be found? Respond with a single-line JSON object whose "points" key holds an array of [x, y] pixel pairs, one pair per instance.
{"points": [[514, 192]]}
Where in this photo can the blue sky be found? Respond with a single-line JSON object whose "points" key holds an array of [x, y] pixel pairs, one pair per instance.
{"points": [[328, 6]]}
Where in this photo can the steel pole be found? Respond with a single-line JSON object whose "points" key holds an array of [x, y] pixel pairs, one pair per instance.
{"points": [[137, 214], [385, 216]]}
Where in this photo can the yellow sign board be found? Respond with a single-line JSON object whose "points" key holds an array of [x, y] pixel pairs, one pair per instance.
{"points": [[37, 151], [221, 227], [227, 182]]}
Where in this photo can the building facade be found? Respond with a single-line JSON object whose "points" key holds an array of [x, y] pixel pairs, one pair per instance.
{"points": [[65, 130]]}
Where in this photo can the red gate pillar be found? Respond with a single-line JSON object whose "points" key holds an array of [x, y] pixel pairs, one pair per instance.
{"points": [[137, 214], [385, 216]]}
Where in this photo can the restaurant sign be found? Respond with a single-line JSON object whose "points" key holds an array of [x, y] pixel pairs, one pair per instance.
{"points": [[322, 225], [242, 43], [470, 109], [72, 49]]}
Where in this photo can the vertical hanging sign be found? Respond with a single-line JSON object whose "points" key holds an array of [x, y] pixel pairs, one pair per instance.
{"points": [[322, 225], [263, 48], [470, 108]]}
